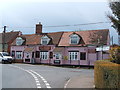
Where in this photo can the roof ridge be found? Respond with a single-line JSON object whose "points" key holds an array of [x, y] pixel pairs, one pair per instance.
{"points": [[87, 30], [12, 32]]}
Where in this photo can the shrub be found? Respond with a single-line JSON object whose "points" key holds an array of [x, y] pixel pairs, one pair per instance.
{"points": [[106, 74], [115, 54]]}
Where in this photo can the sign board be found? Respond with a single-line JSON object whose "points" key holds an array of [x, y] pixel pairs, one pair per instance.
{"points": [[103, 48], [56, 61], [44, 48]]}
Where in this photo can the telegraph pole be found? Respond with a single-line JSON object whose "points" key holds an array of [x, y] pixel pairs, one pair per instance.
{"points": [[4, 31], [112, 40]]}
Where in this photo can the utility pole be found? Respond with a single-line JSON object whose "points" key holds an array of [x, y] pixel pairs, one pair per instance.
{"points": [[4, 38], [112, 40]]}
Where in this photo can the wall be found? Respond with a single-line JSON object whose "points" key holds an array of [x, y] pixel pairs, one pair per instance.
{"points": [[18, 48], [90, 58]]}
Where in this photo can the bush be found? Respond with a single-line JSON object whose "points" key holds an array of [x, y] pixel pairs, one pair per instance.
{"points": [[106, 74], [115, 54]]}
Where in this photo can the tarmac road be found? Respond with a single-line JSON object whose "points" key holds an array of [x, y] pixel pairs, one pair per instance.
{"points": [[38, 76]]}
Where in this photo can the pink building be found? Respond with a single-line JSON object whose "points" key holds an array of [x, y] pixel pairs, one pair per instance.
{"points": [[61, 48]]}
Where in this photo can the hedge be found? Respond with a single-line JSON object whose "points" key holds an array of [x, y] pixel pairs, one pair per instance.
{"points": [[106, 74]]}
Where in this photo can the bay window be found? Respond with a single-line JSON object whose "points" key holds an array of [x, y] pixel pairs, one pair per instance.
{"points": [[44, 55], [73, 55], [19, 55]]}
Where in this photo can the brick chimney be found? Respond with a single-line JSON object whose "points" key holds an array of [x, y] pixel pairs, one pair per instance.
{"points": [[38, 28]]}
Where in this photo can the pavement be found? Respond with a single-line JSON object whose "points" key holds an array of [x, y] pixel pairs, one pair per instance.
{"points": [[82, 81]]}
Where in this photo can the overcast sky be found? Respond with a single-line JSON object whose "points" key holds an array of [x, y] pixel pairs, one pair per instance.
{"points": [[23, 15]]}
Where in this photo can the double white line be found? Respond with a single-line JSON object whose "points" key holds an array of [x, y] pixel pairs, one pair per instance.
{"points": [[33, 73], [46, 83]]}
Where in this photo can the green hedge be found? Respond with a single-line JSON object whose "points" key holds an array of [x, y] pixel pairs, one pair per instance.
{"points": [[106, 74]]}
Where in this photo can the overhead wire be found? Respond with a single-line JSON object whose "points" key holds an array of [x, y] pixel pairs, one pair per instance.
{"points": [[63, 25]]}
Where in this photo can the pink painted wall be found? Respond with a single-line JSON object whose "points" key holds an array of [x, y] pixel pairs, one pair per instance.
{"points": [[90, 57], [18, 48]]}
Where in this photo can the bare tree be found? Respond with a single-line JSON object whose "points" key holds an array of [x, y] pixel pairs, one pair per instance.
{"points": [[115, 16]]}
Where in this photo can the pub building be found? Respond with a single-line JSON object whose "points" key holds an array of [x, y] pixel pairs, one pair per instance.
{"points": [[61, 48]]}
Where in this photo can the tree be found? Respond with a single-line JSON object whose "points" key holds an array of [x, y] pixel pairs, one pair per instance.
{"points": [[115, 16]]}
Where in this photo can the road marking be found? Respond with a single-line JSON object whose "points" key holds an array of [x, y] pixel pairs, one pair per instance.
{"points": [[33, 75], [67, 83], [46, 83]]}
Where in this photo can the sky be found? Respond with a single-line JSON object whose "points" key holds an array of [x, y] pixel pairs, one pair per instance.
{"points": [[23, 15]]}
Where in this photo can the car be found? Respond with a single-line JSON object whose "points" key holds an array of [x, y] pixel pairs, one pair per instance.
{"points": [[5, 58]]}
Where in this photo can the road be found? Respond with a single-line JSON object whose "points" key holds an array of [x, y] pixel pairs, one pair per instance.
{"points": [[38, 76]]}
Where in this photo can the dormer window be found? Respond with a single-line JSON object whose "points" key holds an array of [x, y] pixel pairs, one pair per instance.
{"points": [[74, 39], [45, 40], [19, 41]]}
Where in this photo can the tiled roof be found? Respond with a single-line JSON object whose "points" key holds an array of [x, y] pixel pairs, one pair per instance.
{"points": [[88, 37], [31, 39], [58, 49], [56, 36], [63, 39], [29, 49], [34, 39], [9, 36]]}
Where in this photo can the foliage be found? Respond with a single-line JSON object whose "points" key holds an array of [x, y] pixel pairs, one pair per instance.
{"points": [[115, 18], [106, 74], [115, 54], [98, 37]]}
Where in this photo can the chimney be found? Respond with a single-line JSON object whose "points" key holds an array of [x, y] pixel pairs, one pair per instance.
{"points": [[38, 28]]}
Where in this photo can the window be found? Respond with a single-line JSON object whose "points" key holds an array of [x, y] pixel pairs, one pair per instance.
{"points": [[37, 54], [19, 55], [83, 56], [74, 39], [45, 40], [73, 55], [13, 53], [44, 55], [57, 55], [19, 41]]}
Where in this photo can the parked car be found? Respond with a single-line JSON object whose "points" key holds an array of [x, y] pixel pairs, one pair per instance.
{"points": [[5, 58]]}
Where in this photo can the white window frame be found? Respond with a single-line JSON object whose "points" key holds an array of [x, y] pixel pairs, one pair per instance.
{"points": [[74, 38], [19, 55], [73, 55], [45, 40], [44, 55], [19, 41]]}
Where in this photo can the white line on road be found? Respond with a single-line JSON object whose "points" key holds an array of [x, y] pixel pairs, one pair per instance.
{"points": [[46, 83], [33, 75], [36, 79], [67, 83]]}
